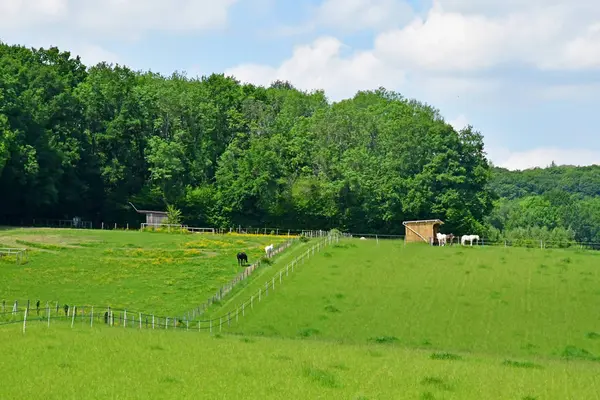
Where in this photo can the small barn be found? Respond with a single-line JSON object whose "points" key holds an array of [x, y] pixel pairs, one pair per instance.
{"points": [[152, 217], [422, 231]]}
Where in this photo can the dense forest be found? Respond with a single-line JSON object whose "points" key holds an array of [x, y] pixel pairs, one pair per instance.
{"points": [[85, 141], [555, 203]]}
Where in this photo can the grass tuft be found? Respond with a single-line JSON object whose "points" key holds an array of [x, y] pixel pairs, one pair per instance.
{"points": [[321, 377], [445, 356]]}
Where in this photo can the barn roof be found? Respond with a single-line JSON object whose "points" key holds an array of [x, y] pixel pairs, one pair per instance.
{"points": [[425, 221], [148, 211], [152, 212]]}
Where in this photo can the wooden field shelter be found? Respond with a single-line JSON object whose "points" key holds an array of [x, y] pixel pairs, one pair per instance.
{"points": [[422, 231], [153, 218]]}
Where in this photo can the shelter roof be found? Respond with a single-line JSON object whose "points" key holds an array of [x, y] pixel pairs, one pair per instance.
{"points": [[425, 221]]}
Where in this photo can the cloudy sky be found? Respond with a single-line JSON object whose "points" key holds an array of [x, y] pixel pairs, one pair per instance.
{"points": [[526, 73]]}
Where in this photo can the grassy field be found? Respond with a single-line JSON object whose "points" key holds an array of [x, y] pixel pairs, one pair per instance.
{"points": [[359, 320], [83, 363], [504, 301], [153, 272]]}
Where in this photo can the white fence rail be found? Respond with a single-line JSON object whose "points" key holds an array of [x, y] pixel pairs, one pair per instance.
{"points": [[20, 255]]}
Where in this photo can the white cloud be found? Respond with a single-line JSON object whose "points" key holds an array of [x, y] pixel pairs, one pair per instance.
{"points": [[83, 26], [542, 157], [363, 14], [20, 14], [136, 17], [128, 18], [443, 53], [321, 65], [92, 54], [582, 52], [453, 41], [459, 122], [353, 15], [469, 35]]}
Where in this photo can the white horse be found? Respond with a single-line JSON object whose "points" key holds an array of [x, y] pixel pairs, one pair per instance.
{"points": [[442, 238], [469, 238], [269, 250]]}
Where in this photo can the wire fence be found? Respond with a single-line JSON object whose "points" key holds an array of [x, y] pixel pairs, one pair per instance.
{"points": [[529, 243], [126, 226], [21, 256], [88, 314], [228, 287], [483, 241]]}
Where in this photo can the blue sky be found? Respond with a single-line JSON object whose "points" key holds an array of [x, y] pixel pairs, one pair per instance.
{"points": [[524, 73]]}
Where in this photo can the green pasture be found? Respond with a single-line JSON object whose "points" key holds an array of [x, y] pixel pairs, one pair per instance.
{"points": [[358, 320], [104, 363], [151, 272], [504, 301]]}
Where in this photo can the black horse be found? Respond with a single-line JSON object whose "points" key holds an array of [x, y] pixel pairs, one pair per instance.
{"points": [[242, 258]]}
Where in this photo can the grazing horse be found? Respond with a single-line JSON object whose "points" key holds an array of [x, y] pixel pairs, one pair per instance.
{"points": [[441, 238], [469, 238], [450, 238], [269, 250], [242, 258]]}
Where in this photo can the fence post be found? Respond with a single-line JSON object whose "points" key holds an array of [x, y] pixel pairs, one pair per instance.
{"points": [[141, 321], [210, 325], [243, 309], [25, 320], [252, 302], [274, 282], [92, 317], [280, 273], [220, 323], [48, 315], [152, 321], [125, 319], [73, 315]]}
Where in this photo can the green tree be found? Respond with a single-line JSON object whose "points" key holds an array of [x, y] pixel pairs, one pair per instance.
{"points": [[173, 215]]}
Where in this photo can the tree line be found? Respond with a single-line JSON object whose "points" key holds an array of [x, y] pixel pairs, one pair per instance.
{"points": [[555, 203], [85, 141]]}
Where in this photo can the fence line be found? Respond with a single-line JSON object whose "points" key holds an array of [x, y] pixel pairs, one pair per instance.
{"points": [[529, 243], [21, 255], [89, 314], [78, 224], [228, 287], [535, 243]]}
